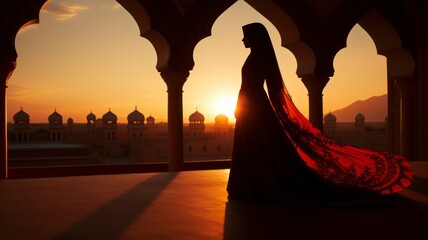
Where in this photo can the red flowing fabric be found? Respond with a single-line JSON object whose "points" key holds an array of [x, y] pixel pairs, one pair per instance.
{"points": [[341, 164]]}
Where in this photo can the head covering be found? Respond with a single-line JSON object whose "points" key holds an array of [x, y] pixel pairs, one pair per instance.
{"points": [[262, 50], [258, 36]]}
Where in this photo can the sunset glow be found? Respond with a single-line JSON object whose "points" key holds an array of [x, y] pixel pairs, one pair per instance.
{"points": [[226, 105], [88, 56]]}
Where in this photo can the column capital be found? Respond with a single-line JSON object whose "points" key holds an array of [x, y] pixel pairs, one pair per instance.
{"points": [[315, 84], [175, 79]]}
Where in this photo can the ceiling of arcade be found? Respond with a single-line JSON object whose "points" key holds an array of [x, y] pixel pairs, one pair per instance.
{"points": [[312, 30]]}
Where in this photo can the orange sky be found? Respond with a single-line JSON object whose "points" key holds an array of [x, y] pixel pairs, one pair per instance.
{"points": [[87, 55]]}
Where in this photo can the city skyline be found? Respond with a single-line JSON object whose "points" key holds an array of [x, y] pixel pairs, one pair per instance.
{"points": [[76, 63], [366, 107]]}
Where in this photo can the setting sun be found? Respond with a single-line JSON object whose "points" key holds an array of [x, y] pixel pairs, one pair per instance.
{"points": [[225, 104]]}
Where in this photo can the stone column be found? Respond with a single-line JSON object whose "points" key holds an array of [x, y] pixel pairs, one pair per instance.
{"points": [[175, 80], [315, 86], [6, 70], [393, 124], [407, 119]]}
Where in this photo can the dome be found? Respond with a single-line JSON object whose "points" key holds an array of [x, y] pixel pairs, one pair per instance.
{"points": [[70, 120], [221, 119], [196, 117], [359, 117], [55, 118], [109, 117], [136, 117], [91, 117], [150, 120], [21, 117], [330, 117]]}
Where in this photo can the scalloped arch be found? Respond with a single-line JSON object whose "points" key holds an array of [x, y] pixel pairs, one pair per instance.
{"points": [[142, 18], [388, 43], [35, 17]]}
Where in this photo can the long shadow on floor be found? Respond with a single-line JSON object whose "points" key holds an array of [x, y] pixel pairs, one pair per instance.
{"points": [[400, 218], [111, 220]]}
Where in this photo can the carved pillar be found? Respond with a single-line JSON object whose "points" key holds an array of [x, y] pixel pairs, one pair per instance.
{"points": [[175, 81], [6, 70], [315, 86], [407, 120]]}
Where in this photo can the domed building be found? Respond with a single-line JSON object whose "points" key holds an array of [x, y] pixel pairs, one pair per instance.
{"points": [[135, 126], [90, 122], [196, 123], [221, 125], [21, 117], [55, 126], [109, 127], [136, 118], [196, 118], [91, 118], [70, 121], [150, 120], [330, 119], [109, 118], [360, 121], [22, 126], [55, 118], [330, 124], [221, 119]]}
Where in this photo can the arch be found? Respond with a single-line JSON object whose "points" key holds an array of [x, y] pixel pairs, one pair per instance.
{"points": [[219, 59], [360, 74], [142, 18], [401, 64], [17, 23], [290, 35], [401, 69]]}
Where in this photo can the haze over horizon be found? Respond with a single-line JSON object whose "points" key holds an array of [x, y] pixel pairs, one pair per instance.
{"points": [[77, 63]]}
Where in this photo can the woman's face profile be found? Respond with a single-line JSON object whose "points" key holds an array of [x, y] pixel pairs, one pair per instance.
{"points": [[246, 42]]}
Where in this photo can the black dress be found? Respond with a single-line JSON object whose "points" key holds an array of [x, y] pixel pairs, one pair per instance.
{"points": [[268, 151]]}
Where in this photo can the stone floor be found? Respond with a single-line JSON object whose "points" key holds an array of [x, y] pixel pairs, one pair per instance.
{"points": [[191, 205]]}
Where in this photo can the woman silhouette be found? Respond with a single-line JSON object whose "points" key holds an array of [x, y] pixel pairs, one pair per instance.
{"points": [[278, 155]]}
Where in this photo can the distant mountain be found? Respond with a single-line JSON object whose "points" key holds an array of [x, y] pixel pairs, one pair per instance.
{"points": [[374, 109]]}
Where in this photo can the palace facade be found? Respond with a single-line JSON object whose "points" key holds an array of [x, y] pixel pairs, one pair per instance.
{"points": [[105, 141]]}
